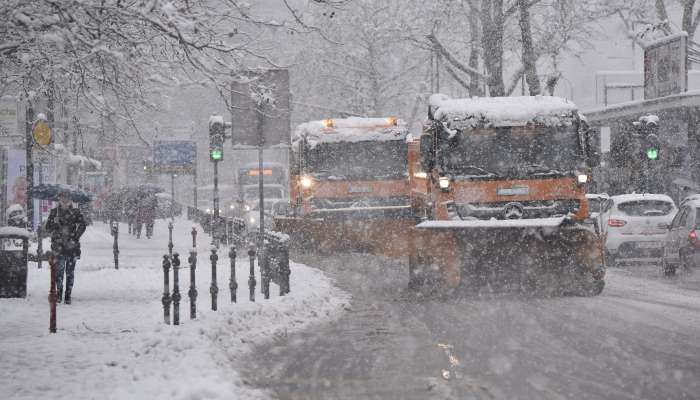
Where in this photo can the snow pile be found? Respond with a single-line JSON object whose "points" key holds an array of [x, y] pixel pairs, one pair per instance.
{"points": [[494, 223], [216, 119], [75, 159], [15, 208], [351, 130], [15, 232], [112, 342], [485, 112]]}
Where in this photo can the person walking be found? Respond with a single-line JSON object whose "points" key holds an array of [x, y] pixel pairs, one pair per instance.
{"points": [[152, 205], [66, 225]]}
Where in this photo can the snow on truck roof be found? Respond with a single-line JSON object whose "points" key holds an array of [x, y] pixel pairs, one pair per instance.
{"points": [[478, 112], [354, 129]]}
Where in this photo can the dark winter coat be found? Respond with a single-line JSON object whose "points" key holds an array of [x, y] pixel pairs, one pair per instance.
{"points": [[147, 210], [66, 226]]}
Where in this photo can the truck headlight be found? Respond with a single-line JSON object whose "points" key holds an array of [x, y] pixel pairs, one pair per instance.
{"points": [[582, 178], [444, 182], [306, 182]]}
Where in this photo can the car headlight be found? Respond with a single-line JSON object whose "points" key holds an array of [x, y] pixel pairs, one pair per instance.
{"points": [[582, 178], [232, 206], [247, 207], [444, 182], [305, 182], [252, 220]]}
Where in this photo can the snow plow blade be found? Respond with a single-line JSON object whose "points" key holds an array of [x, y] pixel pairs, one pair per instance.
{"points": [[548, 255], [387, 236]]}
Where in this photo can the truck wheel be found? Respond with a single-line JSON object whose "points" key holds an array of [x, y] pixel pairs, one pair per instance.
{"points": [[589, 284], [669, 270], [610, 259], [416, 280], [685, 262]]}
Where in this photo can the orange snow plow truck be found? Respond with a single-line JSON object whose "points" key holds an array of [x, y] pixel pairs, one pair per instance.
{"points": [[349, 186], [498, 189]]}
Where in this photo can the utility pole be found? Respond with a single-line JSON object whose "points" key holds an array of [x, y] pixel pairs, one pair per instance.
{"points": [[261, 143], [29, 142]]}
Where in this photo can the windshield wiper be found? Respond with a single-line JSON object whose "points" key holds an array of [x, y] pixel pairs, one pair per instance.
{"points": [[479, 170], [541, 169]]}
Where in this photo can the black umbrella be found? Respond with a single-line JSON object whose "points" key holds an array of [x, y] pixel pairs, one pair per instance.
{"points": [[52, 191]]}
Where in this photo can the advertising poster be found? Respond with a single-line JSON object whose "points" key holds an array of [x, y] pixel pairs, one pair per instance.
{"points": [[16, 188]]}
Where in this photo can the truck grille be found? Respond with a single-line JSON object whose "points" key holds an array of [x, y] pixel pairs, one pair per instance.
{"points": [[531, 209]]}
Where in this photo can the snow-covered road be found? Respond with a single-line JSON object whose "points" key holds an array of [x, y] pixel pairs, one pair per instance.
{"points": [[639, 340], [112, 343]]}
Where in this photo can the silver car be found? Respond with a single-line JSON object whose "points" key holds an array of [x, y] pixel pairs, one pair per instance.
{"points": [[682, 242]]}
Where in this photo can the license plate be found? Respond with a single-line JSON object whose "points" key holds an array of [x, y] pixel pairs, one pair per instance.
{"points": [[513, 191], [649, 245], [359, 189]]}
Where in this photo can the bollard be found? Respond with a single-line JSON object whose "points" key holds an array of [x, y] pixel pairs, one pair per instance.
{"points": [[214, 290], [284, 270], [53, 296], [264, 261], [194, 238], [251, 277], [176, 289], [114, 228], [232, 284], [192, 293], [166, 289], [39, 246], [170, 238]]}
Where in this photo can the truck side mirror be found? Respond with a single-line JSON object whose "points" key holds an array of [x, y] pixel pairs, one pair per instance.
{"points": [[427, 153], [593, 147]]}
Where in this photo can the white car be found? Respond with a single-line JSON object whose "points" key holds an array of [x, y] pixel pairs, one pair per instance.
{"points": [[637, 226]]}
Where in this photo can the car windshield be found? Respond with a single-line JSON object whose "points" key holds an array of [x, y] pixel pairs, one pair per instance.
{"points": [[645, 208], [361, 160], [512, 152]]}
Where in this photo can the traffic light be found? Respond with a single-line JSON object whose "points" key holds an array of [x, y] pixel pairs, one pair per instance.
{"points": [[652, 147], [216, 138]]}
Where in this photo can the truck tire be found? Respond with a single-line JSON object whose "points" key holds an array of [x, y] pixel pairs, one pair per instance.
{"points": [[415, 279], [668, 270]]}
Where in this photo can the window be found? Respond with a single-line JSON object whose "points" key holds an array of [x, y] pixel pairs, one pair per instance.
{"points": [[645, 208], [678, 218]]}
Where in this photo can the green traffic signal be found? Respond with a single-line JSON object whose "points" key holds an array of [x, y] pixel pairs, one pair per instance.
{"points": [[652, 154], [216, 155]]}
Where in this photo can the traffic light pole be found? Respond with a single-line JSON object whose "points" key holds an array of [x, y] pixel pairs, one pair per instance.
{"points": [[216, 189], [261, 143]]}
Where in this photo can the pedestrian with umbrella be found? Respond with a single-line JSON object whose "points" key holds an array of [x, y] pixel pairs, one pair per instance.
{"points": [[66, 224]]}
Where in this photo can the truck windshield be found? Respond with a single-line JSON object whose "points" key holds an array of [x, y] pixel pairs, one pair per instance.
{"points": [[512, 152], [360, 160]]}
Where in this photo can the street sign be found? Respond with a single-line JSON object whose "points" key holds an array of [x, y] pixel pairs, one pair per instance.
{"points": [[175, 156], [8, 116], [665, 66], [271, 88], [42, 133]]}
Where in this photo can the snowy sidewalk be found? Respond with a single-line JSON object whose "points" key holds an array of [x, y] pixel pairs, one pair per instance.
{"points": [[112, 343]]}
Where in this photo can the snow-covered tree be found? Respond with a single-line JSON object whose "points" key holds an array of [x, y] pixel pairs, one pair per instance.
{"points": [[111, 56]]}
